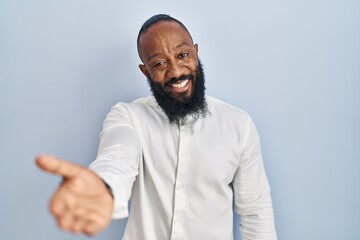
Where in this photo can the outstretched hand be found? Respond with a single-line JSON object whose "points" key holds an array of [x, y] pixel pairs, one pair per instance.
{"points": [[82, 203]]}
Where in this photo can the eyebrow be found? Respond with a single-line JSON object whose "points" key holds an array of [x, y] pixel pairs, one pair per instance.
{"points": [[177, 47], [153, 55], [182, 44]]}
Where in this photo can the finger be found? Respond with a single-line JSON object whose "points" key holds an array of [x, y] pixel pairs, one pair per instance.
{"points": [[79, 224], [79, 219], [80, 212], [66, 221], [57, 166], [95, 223], [58, 207], [91, 228]]}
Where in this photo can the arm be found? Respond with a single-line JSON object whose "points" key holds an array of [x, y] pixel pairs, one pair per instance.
{"points": [[252, 192], [118, 157], [82, 203]]}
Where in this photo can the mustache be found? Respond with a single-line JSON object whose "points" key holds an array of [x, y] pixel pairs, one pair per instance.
{"points": [[181, 78]]}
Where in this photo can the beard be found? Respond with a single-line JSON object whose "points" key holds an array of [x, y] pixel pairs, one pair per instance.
{"points": [[178, 109]]}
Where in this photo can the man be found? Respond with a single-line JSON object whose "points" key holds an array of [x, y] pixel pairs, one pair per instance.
{"points": [[182, 157]]}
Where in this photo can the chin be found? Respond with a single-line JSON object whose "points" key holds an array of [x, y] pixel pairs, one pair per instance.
{"points": [[184, 97]]}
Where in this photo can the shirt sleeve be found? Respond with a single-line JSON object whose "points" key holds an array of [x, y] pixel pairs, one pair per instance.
{"points": [[252, 192], [118, 157]]}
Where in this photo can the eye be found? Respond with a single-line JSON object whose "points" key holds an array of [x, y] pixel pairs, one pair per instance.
{"points": [[158, 64], [183, 55]]}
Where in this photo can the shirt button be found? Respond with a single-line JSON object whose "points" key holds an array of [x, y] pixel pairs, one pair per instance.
{"points": [[183, 153], [179, 186]]}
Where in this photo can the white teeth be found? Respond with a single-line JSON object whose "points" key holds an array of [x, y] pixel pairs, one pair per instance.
{"points": [[180, 85]]}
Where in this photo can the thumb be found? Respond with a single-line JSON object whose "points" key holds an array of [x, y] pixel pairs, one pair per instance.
{"points": [[57, 166]]}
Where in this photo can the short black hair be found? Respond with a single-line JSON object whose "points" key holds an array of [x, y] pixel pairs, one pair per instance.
{"points": [[154, 20]]}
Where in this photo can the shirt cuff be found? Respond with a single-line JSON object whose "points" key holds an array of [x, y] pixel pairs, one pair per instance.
{"points": [[121, 208]]}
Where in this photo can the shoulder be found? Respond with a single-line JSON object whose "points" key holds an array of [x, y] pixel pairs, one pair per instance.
{"points": [[220, 108], [141, 108], [143, 102], [123, 111], [232, 119]]}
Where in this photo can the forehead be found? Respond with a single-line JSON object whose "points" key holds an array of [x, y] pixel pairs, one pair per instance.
{"points": [[161, 36]]}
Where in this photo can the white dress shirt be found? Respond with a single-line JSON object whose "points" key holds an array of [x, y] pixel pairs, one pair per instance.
{"points": [[182, 179]]}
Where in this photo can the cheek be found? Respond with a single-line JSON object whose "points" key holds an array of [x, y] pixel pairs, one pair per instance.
{"points": [[158, 77], [193, 65]]}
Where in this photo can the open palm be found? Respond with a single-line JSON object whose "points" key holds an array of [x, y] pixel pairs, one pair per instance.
{"points": [[82, 203]]}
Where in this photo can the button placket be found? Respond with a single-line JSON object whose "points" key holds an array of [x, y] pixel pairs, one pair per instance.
{"points": [[179, 195]]}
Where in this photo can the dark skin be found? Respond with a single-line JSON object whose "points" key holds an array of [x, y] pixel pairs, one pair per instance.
{"points": [[82, 203], [167, 51]]}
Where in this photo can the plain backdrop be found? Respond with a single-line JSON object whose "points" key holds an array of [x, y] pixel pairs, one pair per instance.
{"points": [[293, 65]]}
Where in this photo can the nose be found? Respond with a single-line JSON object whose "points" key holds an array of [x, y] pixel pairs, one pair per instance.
{"points": [[174, 70]]}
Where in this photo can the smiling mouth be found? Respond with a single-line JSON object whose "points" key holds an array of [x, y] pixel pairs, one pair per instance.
{"points": [[179, 87], [180, 84]]}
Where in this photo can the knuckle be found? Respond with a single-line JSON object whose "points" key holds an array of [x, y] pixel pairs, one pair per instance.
{"points": [[78, 182]]}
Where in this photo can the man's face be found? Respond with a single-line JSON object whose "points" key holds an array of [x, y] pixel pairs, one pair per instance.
{"points": [[170, 58], [173, 70]]}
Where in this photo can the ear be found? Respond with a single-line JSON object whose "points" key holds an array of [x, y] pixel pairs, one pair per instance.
{"points": [[144, 70], [196, 47]]}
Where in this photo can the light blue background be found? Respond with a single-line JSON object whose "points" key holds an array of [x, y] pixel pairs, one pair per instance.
{"points": [[293, 65]]}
